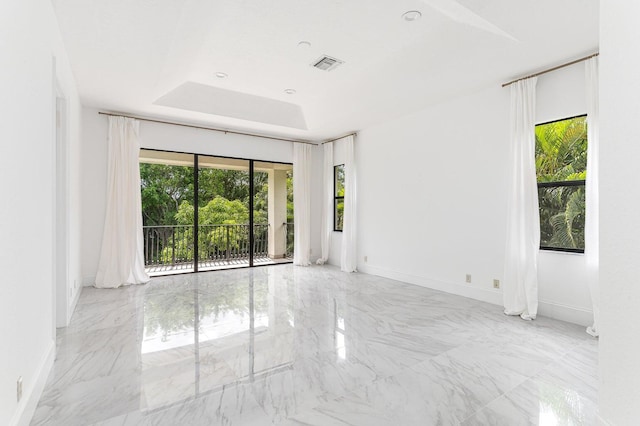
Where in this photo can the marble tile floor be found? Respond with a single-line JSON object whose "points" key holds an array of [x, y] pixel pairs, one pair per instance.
{"points": [[285, 345]]}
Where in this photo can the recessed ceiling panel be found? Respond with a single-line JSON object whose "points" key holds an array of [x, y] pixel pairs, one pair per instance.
{"points": [[198, 97], [392, 66]]}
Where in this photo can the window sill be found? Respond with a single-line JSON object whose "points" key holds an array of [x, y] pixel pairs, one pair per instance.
{"points": [[561, 251]]}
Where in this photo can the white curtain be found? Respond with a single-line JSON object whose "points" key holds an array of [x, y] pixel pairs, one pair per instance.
{"points": [[592, 198], [327, 202], [301, 204], [348, 259], [520, 289], [122, 254]]}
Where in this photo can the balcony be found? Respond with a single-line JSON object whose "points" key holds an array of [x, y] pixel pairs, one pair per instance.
{"points": [[169, 249]]}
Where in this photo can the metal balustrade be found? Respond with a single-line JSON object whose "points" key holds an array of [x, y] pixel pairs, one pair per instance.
{"points": [[170, 248]]}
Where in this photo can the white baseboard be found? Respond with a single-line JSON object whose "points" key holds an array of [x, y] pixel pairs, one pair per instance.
{"points": [[74, 302], [88, 281], [484, 295], [545, 308], [32, 394], [566, 313]]}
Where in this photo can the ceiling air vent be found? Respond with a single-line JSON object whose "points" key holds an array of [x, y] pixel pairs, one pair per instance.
{"points": [[326, 63]]}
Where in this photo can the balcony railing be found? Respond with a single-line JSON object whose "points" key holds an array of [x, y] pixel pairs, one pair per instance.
{"points": [[171, 248], [289, 231]]}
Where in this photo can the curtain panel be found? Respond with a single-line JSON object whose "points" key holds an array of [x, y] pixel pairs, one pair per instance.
{"points": [[520, 291], [348, 258], [327, 202], [592, 197], [301, 204], [122, 253]]}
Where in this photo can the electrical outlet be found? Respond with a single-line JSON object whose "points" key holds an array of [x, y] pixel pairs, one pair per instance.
{"points": [[496, 283], [366, 258], [19, 388], [469, 278]]}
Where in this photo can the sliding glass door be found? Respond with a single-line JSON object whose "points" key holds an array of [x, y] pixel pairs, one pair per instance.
{"points": [[205, 213], [167, 189], [223, 213]]}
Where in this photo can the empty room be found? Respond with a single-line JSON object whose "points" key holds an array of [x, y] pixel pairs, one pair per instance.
{"points": [[342, 212]]}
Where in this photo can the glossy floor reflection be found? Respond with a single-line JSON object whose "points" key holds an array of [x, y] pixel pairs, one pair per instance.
{"points": [[311, 346]]}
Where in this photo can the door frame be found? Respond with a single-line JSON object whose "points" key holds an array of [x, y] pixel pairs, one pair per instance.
{"points": [[62, 289], [196, 199]]}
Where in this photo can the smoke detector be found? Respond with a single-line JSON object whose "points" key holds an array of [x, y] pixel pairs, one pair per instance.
{"points": [[412, 15], [326, 63]]}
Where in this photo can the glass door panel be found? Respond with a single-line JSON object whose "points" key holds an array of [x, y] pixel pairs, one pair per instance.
{"points": [[167, 192], [223, 213], [273, 212]]}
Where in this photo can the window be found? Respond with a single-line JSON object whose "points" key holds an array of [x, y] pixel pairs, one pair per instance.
{"points": [[204, 212], [561, 169], [338, 194]]}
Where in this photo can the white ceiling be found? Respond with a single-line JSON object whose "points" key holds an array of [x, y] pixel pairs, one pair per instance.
{"points": [[138, 56]]}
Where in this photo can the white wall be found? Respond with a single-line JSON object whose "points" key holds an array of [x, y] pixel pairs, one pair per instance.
{"points": [[432, 197], [619, 212], [73, 141], [171, 138], [29, 42]]}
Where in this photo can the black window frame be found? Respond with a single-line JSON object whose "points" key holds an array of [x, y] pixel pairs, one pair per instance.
{"points": [[251, 164], [336, 197], [560, 184]]}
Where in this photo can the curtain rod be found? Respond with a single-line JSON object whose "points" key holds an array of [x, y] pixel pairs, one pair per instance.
{"points": [[344, 136], [551, 69], [173, 123]]}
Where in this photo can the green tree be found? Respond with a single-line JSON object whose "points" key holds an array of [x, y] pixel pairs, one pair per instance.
{"points": [[561, 150], [339, 192], [223, 200], [290, 196], [217, 211], [163, 189], [289, 212], [229, 184], [223, 225], [561, 155]]}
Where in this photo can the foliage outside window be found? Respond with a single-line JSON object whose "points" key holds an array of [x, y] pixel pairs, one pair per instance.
{"points": [[561, 168], [167, 193], [338, 193]]}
